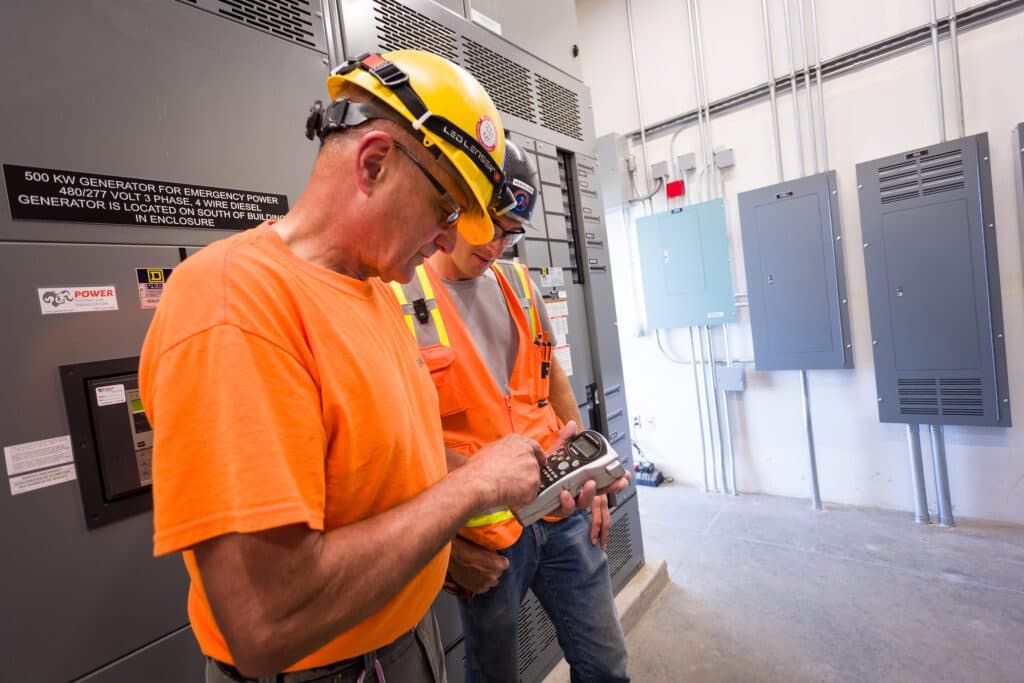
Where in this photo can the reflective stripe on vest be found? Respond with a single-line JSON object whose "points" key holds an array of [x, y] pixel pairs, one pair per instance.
{"points": [[493, 517], [526, 300], [429, 302]]}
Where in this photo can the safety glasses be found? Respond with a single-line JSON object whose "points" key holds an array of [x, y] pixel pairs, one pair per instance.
{"points": [[509, 238], [453, 206]]}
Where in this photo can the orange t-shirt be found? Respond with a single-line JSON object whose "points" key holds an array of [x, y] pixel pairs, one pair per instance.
{"points": [[282, 393]]}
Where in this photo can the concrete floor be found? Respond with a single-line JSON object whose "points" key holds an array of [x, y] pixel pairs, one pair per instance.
{"points": [[763, 589]]}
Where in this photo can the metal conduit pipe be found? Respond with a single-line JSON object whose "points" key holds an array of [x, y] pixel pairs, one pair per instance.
{"points": [[796, 93], [710, 159], [938, 71], [715, 409], [636, 90], [771, 88], [807, 84], [942, 499], [917, 474], [958, 92], [728, 424], [712, 421], [821, 95], [815, 493], [696, 88], [696, 393]]}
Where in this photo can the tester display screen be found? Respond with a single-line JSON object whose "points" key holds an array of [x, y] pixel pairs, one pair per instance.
{"points": [[586, 448]]}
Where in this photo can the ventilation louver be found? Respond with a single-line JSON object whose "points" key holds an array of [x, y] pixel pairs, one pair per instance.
{"points": [[921, 175], [944, 396], [559, 108], [402, 28], [289, 19], [507, 83]]}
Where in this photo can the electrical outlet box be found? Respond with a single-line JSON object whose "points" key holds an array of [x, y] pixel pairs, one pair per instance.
{"points": [[724, 158], [659, 169], [686, 162], [928, 225], [731, 378]]}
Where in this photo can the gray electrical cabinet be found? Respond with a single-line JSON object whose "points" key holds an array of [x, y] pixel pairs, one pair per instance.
{"points": [[796, 284], [933, 285], [1018, 162], [121, 119]]}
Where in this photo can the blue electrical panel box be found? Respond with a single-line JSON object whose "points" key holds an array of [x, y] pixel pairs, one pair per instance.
{"points": [[685, 267], [793, 252], [933, 285]]}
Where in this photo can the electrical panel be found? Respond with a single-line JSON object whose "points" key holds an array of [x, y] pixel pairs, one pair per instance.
{"points": [[796, 284], [685, 267], [933, 285]]}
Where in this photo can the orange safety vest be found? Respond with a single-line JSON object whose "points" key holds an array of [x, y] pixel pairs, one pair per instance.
{"points": [[475, 411]]}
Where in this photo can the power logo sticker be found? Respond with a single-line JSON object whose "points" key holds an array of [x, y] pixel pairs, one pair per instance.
{"points": [[77, 299]]}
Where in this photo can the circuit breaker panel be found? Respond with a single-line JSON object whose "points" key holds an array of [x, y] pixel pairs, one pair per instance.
{"points": [[685, 267], [933, 285], [793, 251]]}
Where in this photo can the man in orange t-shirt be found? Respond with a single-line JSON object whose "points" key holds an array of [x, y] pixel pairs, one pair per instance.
{"points": [[299, 463]]}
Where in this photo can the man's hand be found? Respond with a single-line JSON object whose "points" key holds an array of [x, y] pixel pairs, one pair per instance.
{"points": [[507, 470], [587, 495], [475, 568]]}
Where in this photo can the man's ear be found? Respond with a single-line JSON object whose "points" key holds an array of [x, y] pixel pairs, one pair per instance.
{"points": [[369, 161]]}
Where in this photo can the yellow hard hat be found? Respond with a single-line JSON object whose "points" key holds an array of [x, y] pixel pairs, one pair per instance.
{"points": [[450, 109]]}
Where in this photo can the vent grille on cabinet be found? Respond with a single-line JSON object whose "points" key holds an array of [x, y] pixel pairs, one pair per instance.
{"points": [[402, 28], [921, 176], [950, 396], [507, 83], [559, 108], [289, 19]]}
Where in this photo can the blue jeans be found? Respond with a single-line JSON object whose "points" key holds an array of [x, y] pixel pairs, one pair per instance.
{"points": [[570, 578]]}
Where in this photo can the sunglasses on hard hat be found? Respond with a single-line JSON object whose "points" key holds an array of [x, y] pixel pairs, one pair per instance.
{"points": [[454, 210]]}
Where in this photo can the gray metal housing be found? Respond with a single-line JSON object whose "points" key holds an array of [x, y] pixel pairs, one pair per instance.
{"points": [[933, 285], [152, 89], [796, 281]]}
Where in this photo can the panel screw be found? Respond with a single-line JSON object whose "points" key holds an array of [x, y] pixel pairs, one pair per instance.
{"points": [[839, 238], [879, 399], [991, 225], [1006, 400], [860, 187], [319, 14], [844, 301], [849, 346], [867, 244], [999, 336], [834, 192], [874, 342], [324, 61], [985, 158]]}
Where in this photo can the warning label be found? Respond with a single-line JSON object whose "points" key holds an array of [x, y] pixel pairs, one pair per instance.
{"points": [[151, 285], [45, 194]]}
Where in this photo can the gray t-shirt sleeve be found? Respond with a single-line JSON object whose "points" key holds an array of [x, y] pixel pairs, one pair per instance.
{"points": [[542, 309]]}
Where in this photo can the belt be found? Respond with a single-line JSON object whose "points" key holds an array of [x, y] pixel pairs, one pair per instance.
{"points": [[364, 668]]}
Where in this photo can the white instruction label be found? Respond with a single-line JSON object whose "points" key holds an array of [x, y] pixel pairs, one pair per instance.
{"points": [[73, 299], [42, 479], [564, 356], [558, 313], [479, 17], [35, 455], [110, 395], [552, 277]]}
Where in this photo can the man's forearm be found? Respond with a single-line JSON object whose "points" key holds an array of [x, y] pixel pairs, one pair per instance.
{"points": [[561, 396], [314, 586]]}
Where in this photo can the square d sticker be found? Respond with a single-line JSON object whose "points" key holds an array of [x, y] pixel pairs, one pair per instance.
{"points": [[151, 285]]}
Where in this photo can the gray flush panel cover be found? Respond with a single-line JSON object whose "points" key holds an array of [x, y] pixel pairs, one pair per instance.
{"points": [[933, 285], [793, 250]]}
